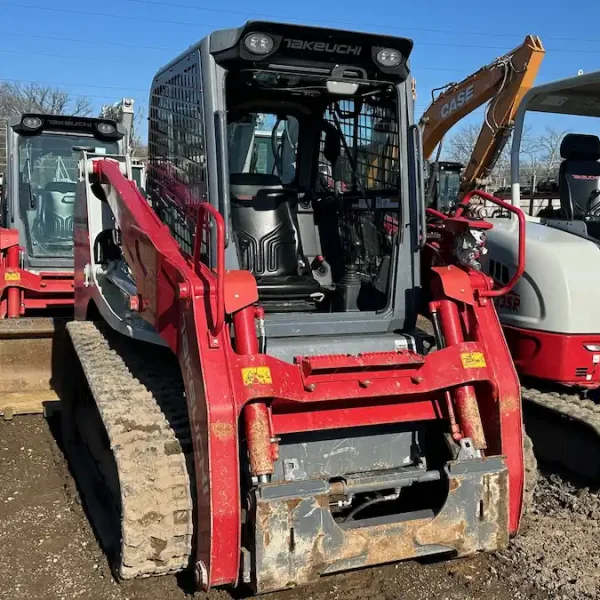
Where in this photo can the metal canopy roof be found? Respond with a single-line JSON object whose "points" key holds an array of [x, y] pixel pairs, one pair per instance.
{"points": [[579, 96]]}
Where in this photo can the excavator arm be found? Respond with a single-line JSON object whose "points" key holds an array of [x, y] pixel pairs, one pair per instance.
{"points": [[504, 82]]}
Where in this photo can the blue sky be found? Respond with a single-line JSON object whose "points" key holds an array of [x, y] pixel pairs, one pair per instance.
{"points": [[112, 49]]}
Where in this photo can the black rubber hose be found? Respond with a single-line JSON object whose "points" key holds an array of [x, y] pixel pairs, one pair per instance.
{"points": [[361, 507]]}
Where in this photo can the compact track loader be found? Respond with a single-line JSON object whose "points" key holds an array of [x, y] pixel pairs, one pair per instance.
{"points": [[251, 396]]}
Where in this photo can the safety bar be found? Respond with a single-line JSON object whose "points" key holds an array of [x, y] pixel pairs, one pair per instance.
{"points": [[521, 251], [418, 146], [202, 224]]}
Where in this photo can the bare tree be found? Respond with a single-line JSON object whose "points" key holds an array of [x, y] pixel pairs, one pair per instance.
{"points": [[539, 154], [460, 146], [17, 98], [549, 144]]}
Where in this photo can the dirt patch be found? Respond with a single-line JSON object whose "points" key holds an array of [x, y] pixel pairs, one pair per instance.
{"points": [[49, 550], [561, 547]]}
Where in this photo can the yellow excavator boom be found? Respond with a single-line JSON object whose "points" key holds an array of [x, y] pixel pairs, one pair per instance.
{"points": [[503, 82]]}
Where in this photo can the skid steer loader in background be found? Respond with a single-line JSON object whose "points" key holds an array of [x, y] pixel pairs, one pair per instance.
{"points": [[551, 319], [36, 247], [250, 396], [36, 250]]}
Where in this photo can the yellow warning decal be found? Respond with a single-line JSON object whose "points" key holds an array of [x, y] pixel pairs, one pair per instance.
{"points": [[12, 276], [256, 376], [473, 360]]}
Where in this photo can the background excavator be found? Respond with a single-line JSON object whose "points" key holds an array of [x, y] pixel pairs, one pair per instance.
{"points": [[503, 83], [551, 319]]}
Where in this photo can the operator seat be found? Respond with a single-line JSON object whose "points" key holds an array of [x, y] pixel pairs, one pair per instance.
{"points": [[579, 174], [264, 217], [57, 206]]}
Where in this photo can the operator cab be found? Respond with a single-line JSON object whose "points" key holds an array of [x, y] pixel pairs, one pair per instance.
{"points": [[576, 207], [304, 237], [443, 185], [313, 148], [41, 181]]}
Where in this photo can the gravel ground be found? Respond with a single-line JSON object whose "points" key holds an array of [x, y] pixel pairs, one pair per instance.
{"points": [[49, 551]]}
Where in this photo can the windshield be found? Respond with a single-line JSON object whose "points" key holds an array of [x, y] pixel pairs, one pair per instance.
{"points": [[449, 188], [46, 187], [322, 170]]}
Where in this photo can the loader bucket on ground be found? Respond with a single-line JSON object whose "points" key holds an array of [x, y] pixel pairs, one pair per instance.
{"points": [[30, 355]]}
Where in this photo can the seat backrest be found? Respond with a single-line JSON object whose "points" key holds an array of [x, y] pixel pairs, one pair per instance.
{"points": [[264, 217], [579, 173], [57, 215]]}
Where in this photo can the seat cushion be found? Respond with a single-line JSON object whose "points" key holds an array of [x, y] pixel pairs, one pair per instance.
{"points": [[290, 286]]}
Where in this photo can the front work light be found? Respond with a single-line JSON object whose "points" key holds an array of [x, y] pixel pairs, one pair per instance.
{"points": [[106, 128], [32, 122], [259, 43], [388, 57]]}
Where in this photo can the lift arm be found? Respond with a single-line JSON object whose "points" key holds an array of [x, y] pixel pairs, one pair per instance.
{"points": [[504, 82]]}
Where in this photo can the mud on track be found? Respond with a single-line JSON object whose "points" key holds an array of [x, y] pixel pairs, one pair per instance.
{"points": [[50, 553]]}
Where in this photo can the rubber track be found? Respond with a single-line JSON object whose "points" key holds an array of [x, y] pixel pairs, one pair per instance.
{"points": [[151, 453], [568, 405], [531, 472]]}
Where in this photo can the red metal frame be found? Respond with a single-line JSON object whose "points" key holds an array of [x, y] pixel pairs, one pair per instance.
{"points": [[464, 203], [457, 223], [183, 299], [21, 290], [554, 356]]}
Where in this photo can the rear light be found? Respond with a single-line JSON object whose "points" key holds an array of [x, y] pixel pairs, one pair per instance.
{"points": [[592, 347], [259, 43]]}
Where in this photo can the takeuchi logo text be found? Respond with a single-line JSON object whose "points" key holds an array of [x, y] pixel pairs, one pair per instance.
{"points": [[325, 47]]}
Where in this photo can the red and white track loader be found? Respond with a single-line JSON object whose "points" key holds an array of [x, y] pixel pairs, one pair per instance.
{"points": [[250, 394]]}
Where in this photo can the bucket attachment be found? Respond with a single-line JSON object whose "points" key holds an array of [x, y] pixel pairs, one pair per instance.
{"points": [[30, 354]]}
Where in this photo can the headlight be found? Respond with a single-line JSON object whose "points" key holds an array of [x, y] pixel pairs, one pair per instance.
{"points": [[592, 347], [32, 122], [388, 57], [259, 43], [106, 128]]}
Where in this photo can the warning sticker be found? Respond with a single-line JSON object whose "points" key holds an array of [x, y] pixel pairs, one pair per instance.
{"points": [[473, 360], [256, 376], [12, 276]]}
